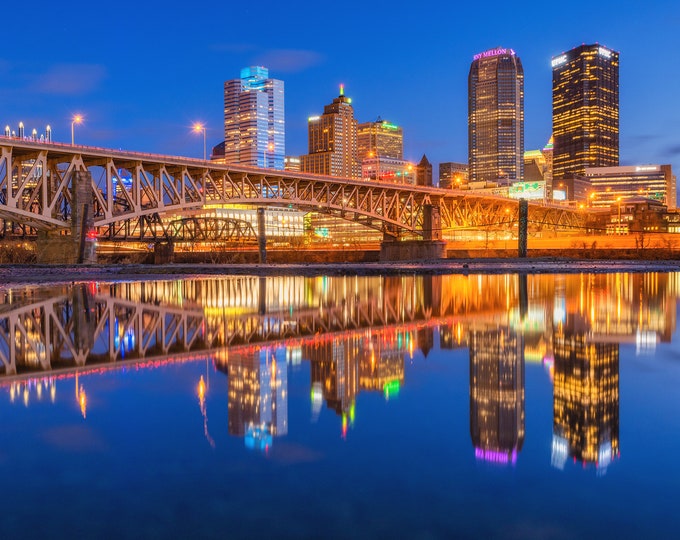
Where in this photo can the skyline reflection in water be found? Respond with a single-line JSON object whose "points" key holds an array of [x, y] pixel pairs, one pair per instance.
{"points": [[248, 341]]}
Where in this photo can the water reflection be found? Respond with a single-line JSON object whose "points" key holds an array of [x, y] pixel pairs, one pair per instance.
{"points": [[358, 335]]}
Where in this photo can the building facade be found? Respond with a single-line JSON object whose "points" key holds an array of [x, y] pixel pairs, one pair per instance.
{"points": [[388, 170], [496, 116], [611, 184], [332, 141], [424, 172], [380, 139], [585, 83], [453, 175], [254, 125]]}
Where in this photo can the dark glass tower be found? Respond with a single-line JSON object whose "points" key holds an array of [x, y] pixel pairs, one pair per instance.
{"points": [[585, 109], [496, 116]]}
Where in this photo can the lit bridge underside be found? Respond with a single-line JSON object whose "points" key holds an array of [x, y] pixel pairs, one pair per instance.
{"points": [[35, 191]]}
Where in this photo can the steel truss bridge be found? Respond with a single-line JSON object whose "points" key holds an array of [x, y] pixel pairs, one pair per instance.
{"points": [[135, 194]]}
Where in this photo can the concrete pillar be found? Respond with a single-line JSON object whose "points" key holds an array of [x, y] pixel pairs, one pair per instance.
{"points": [[163, 252], [432, 223], [82, 217], [261, 236], [55, 247], [523, 225]]}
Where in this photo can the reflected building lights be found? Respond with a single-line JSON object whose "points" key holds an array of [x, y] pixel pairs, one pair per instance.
{"points": [[357, 334], [496, 394], [585, 398]]}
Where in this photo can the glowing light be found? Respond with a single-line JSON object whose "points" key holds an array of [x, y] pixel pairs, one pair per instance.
{"points": [[494, 52], [559, 60]]}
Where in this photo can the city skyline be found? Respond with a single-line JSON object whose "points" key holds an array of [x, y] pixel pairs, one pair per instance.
{"points": [[420, 85]]}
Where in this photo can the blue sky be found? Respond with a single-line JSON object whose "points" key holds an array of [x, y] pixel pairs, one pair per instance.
{"points": [[142, 72]]}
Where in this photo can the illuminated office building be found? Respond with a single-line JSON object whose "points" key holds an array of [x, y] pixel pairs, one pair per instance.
{"points": [[538, 164], [388, 170], [453, 175], [291, 163], [380, 139], [648, 181], [585, 83], [496, 116], [585, 397], [332, 141], [496, 394], [254, 126]]}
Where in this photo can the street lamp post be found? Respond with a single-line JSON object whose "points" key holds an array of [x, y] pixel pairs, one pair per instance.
{"points": [[618, 229], [198, 127], [77, 119]]}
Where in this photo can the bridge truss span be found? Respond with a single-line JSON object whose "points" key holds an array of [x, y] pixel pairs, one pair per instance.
{"points": [[134, 192]]}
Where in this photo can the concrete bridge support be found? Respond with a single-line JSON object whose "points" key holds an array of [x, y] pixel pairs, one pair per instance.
{"points": [[261, 236], [163, 252], [431, 247], [78, 247]]}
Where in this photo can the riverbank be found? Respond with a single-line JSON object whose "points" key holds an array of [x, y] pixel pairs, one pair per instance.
{"points": [[13, 274]]}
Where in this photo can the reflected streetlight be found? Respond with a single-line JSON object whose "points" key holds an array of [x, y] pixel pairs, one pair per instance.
{"points": [[77, 119], [197, 128]]}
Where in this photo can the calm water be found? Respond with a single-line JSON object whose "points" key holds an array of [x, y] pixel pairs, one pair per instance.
{"points": [[412, 407]]}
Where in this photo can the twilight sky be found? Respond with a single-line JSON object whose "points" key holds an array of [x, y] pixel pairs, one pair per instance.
{"points": [[142, 72]]}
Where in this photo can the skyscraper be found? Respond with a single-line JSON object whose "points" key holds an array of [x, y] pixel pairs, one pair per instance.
{"points": [[380, 139], [333, 141], [585, 83], [254, 126], [496, 116]]}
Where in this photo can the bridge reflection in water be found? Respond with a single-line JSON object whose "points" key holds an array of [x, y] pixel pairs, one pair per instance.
{"points": [[358, 333]]}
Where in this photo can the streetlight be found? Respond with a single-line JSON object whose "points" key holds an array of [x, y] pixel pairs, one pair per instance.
{"points": [[198, 127], [77, 119], [270, 149]]}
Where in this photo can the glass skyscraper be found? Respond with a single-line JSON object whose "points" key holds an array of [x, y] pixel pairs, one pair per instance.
{"points": [[585, 83], [254, 126], [496, 116]]}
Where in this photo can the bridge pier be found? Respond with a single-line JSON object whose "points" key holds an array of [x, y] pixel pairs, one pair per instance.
{"points": [[261, 236], [54, 247], [431, 247], [163, 252]]}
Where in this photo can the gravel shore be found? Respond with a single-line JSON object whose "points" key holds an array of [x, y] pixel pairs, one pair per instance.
{"points": [[13, 274]]}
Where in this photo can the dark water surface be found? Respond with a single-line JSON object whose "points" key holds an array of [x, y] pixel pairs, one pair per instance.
{"points": [[481, 406]]}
